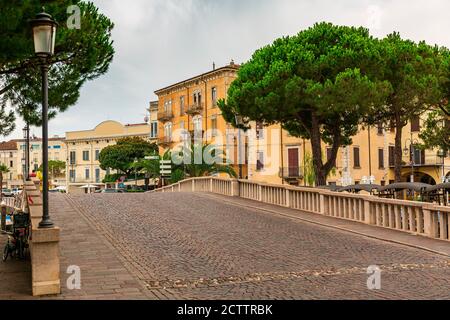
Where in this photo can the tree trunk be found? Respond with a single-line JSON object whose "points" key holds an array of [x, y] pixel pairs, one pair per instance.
{"points": [[1, 184], [316, 146], [398, 150]]}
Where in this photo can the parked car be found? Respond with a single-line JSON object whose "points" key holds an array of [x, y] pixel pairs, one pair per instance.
{"points": [[112, 191], [16, 191], [7, 192]]}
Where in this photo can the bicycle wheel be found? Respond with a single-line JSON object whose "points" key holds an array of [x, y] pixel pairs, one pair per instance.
{"points": [[5, 252]]}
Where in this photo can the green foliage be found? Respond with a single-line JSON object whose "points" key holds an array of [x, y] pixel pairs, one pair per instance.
{"points": [[211, 160], [436, 131], [318, 84], [112, 178], [56, 167], [416, 74], [123, 155], [308, 171], [177, 176], [80, 55], [7, 121]]}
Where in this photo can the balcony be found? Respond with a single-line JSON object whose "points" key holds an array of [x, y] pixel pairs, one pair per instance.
{"points": [[291, 173], [165, 116], [165, 141], [420, 160], [196, 134], [195, 109]]}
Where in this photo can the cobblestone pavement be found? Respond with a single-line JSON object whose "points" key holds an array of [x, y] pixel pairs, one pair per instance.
{"points": [[184, 245]]}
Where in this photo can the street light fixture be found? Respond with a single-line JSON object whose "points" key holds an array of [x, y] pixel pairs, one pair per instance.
{"points": [[26, 136], [44, 33], [411, 150]]}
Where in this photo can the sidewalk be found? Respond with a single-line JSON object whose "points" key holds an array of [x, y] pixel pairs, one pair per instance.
{"points": [[433, 245]]}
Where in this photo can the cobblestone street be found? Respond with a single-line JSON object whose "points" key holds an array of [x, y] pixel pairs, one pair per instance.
{"points": [[183, 245]]}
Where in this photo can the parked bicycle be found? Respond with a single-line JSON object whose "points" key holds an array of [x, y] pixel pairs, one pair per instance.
{"points": [[17, 242]]}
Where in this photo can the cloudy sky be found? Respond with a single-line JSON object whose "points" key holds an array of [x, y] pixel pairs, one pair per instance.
{"points": [[160, 42]]}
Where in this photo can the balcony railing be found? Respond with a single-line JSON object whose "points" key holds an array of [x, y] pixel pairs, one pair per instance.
{"points": [[291, 173], [165, 116], [429, 160], [195, 109], [196, 134], [165, 141]]}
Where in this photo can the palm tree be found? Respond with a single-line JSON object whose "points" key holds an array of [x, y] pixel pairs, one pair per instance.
{"points": [[3, 169], [212, 160]]}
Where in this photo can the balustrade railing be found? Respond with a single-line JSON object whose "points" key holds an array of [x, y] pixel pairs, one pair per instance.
{"points": [[420, 218]]}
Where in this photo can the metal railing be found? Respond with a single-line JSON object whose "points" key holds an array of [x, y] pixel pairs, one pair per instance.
{"points": [[195, 109], [165, 115], [291, 173]]}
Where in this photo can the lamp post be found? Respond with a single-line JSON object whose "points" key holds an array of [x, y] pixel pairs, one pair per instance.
{"points": [[44, 32], [26, 136], [412, 142], [441, 155]]}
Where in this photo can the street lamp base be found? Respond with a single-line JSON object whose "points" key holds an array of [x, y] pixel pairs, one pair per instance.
{"points": [[46, 224]]}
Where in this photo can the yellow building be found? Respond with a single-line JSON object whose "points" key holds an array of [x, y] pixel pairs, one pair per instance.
{"points": [[84, 147], [189, 109], [10, 157], [369, 159]]}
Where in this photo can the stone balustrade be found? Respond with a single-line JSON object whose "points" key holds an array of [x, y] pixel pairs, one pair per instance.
{"points": [[44, 246], [419, 218]]}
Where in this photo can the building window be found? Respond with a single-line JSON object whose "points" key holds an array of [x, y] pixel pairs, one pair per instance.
{"points": [[415, 124], [259, 160], [259, 130], [72, 175], [381, 158], [11, 164], [10, 154], [356, 161], [85, 155], [182, 105], [214, 126], [168, 106], [87, 173], [391, 156], [97, 155], [168, 130], [380, 128], [198, 124], [154, 129], [72, 157], [197, 98], [214, 96], [97, 175]]}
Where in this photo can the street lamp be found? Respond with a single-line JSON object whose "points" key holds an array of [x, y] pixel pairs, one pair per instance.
{"points": [[441, 154], [26, 136], [44, 32], [411, 150]]}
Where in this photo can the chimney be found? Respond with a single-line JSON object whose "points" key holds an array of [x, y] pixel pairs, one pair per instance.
{"points": [[214, 66], [232, 63]]}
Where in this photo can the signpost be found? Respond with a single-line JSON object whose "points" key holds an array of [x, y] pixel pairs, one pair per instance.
{"points": [[165, 168]]}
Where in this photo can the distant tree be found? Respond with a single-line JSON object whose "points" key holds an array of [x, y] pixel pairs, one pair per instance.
{"points": [[55, 167], [414, 72], [187, 165], [80, 55], [3, 169], [436, 131], [122, 155], [318, 84]]}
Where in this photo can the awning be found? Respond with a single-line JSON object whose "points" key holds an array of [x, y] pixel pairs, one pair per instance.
{"points": [[361, 187], [442, 186], [415, 186]]}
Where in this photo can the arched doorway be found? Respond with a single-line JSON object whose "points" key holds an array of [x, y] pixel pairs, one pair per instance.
{"points": [[420, 177]]}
